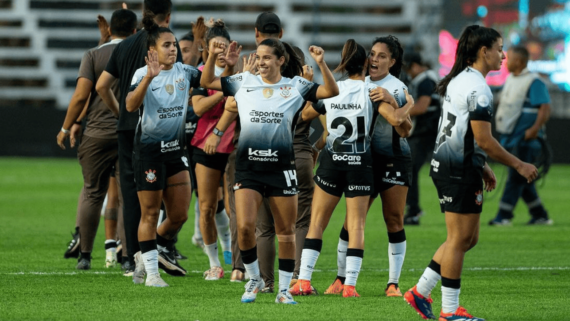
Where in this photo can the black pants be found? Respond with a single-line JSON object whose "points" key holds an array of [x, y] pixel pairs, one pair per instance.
{"points": [[131, 205], [422, 150]]}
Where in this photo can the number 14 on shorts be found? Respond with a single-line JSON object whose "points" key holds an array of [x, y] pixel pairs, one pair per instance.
{"points": [[291, 175]]}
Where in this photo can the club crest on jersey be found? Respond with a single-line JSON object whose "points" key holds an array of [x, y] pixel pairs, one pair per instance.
{"points": [[150, 176], [181, 84], [268, 93], [479, 198], [285, 91], [169, 89]]}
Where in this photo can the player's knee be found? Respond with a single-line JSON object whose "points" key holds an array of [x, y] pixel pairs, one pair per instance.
{"points": [[474, 241]]}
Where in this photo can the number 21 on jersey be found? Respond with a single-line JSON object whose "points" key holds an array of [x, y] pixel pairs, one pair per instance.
{"points": [[342, 143], [447, 130]]}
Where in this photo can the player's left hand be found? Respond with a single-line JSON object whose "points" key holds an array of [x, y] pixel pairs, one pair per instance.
{"points": [[530, 134], [61, 137], [308, 72], [232, 54], [317, 53], [489, 178]]}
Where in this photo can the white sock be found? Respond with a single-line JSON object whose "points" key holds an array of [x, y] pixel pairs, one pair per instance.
{"points": [[427, 282], [150, 260], [341, 257], [396, 255], [223, 227], [353, 265], [284, 280], [114, 249], [308, 260], [253, 270], [449, 299], [197, 232], [212, 252]]}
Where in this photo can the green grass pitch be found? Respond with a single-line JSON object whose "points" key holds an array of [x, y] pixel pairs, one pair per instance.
{"points": [[514, 273]]}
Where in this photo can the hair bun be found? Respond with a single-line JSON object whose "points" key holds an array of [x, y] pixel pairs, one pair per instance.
{"points": [[148, 21]]}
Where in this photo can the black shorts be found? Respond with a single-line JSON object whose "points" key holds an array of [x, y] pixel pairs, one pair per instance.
{"points": [[268, 183], [352, 183], [152, 176], [389, 172], [459, 198], [217, 161]]}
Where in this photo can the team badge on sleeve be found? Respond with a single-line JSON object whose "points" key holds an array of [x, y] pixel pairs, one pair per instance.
{"points": [[285, 91], [150, 176]]}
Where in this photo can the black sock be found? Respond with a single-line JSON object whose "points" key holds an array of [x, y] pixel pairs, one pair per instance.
{"points": [[287, 265], [220, 206], [435, 267], [344, 234], [313, 244], [341, 278], [110, 245], [85, 255], [397, 237], [163, 241], [451, 283], [147, 246], [249, 256]]}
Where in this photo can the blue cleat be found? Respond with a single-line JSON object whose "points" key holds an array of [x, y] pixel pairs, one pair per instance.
{"points": [[228, 257], [419, 303], [459, 315]]}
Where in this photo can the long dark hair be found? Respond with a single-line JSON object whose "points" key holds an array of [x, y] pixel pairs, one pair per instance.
{"points": [[152, 29], [472, 39], [353, 58], [396, 51], [292, 66], [217, 30]]}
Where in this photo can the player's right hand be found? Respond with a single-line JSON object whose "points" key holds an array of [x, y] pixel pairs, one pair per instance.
{"points": [[528, 171]]}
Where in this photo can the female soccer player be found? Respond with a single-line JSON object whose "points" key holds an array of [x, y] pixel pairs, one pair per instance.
{"points": [[346, 164], [458, 166], [160, 93], [268, 106], [392, 164], [209, 106]]}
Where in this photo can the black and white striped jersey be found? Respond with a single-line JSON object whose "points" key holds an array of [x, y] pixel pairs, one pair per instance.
{"points": [[456, 156], [385, 140], [160, 133], [268, 114], [350, 120]]}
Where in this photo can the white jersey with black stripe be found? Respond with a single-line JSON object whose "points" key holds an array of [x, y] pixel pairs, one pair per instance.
{"points": [[350, 119], [268, 115], [457, 157], [385, 140]]}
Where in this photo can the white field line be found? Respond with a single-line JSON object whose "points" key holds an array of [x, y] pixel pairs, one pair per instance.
{"points": [[507, 269]]}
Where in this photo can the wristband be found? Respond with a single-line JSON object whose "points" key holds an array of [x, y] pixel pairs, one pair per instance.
{"points": [[218, 133], [65, 131], [317, 149], [78, 122]]}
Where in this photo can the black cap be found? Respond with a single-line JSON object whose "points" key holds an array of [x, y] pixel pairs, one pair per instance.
{"points": [[412, 57], [268, 22]]}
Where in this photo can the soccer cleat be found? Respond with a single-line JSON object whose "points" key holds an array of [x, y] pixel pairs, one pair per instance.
{"points": [[251, 289], [178, 255], [459, 315], [349, 291], [228, 257], [198, 242], [168, 263], [73, 247], [237, 276], [540, 221], [140, 271], [413, 219], [156, 281], [499, 221], [284, 297], [335, 288], [393, 290], [419, 303], [269, 288], [110, 260], [83, 264], [214, 274], [302, 287]]}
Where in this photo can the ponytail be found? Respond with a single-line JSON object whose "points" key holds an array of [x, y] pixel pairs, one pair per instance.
{"points": [[152, 28], [353, 58], [472, 39], [396, 51]]}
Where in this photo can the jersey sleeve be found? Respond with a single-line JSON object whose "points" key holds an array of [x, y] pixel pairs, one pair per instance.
{"points": [[194, 75], [231, 84], [538, 93], [480, 103], [137, 78], [200, 91], [86, 69], [307, 89], [320, 107], [426, 88], [402, 96], [112, 64]]}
